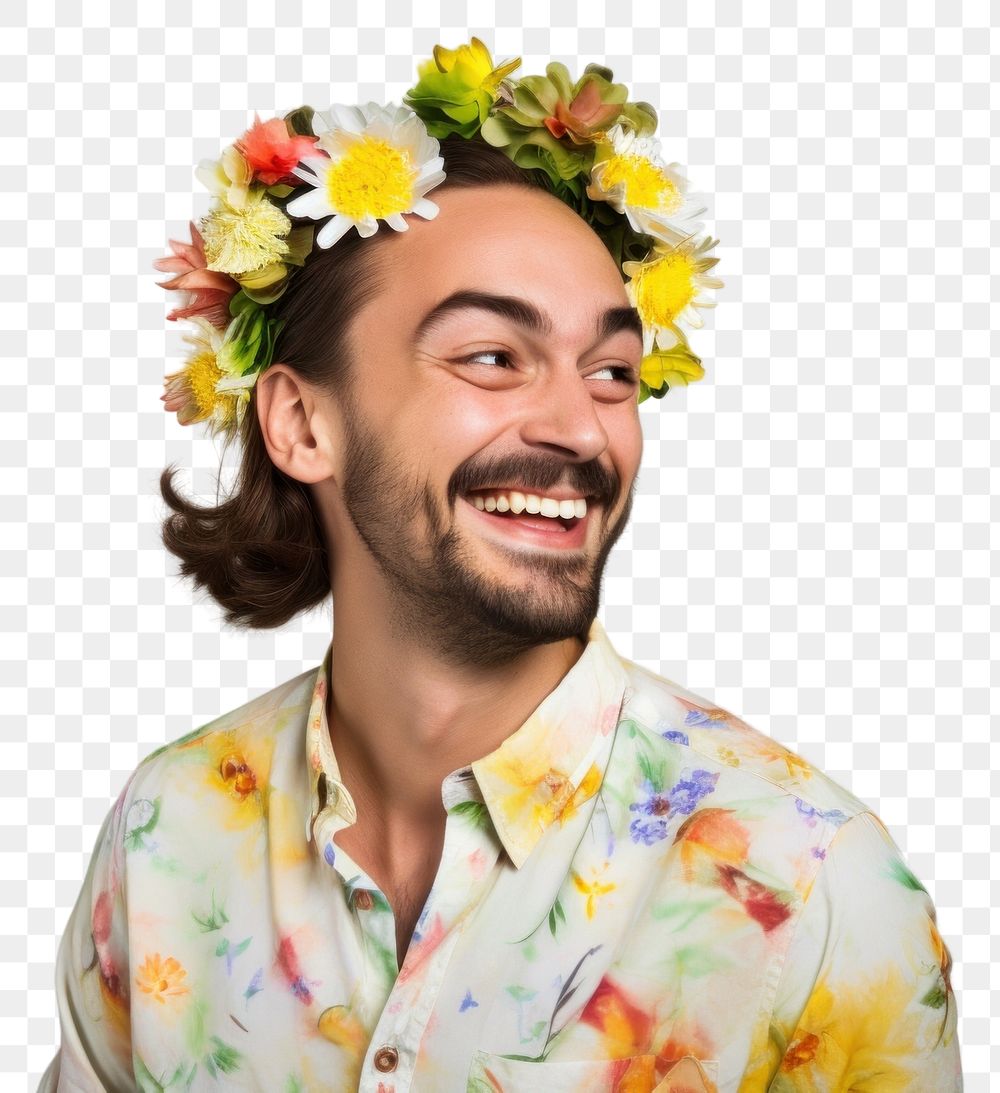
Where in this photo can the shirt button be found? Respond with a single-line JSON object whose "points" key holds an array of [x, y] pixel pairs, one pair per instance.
{"points": [[363, 899], [386, 1059]]}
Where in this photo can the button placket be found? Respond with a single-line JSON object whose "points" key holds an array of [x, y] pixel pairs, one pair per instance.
{"points": [[410, 1004]]}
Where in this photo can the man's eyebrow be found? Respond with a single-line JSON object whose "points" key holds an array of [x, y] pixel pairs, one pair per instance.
{"points": [[523, 313]]}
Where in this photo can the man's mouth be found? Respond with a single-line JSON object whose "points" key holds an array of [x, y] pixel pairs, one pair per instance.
{"points": [[509, 513]]}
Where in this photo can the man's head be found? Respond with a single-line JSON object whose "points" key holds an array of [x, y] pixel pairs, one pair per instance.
{"points": [[547, 404]]}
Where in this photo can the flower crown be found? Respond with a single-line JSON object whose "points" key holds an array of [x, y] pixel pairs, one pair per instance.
{"points": [[356, 165]]}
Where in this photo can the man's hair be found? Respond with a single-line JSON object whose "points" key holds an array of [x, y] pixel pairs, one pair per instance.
{"points": [[260, 553]]}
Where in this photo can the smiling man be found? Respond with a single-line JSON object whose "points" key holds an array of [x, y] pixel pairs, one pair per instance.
{"points": [[513, 396], [476, 848]]}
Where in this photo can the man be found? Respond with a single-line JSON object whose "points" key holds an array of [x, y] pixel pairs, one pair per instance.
{"points": [[539, 866], [487, 612], [476, 848]]}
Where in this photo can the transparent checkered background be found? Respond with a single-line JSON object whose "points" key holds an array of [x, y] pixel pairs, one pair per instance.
{"points": [[811, 540]]}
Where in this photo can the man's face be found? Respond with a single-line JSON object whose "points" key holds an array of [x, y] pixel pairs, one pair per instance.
{"points": [[541, 411]]}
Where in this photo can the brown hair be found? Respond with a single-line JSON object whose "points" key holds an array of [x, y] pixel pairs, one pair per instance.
{"points": [[260, 553]]}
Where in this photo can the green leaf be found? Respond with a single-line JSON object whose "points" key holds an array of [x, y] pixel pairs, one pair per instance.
{"points": [[678, 916], [902, 874], [654, 774], [695, 961], [225, 1057], [299, 121], [475, 812], [147, 1083]]}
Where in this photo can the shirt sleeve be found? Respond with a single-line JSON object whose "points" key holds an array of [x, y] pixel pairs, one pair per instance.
{"points": [[92, 977], [864, 1000]]}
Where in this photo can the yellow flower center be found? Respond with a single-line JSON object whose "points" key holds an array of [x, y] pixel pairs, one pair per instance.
{"points": [[646, 186], [203, 373], [374, 178], [664, 288], [235, 770], [247, 239]]}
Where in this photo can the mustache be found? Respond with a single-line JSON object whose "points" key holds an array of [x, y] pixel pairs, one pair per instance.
{"points": [[537, 472]]}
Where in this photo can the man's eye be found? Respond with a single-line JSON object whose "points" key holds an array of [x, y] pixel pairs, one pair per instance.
{"points": [[623, 372], [486, 353]]}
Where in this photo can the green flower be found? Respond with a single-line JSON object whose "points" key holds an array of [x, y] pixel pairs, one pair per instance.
{"points": [[456, 88], [245, 352], [249, 341], [554, 124]]}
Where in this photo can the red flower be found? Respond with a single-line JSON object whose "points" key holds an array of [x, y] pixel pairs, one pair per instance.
{"points": [[272, 152], [210, 290]]}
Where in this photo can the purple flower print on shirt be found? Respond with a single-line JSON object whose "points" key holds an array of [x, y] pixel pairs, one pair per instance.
{"points": [[682, 797]]}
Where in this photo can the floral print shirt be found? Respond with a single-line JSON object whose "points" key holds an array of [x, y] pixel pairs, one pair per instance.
{"points": [[637, 892]]}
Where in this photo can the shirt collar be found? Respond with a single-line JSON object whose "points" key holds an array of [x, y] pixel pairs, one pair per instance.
{"points": [[542, 772]]}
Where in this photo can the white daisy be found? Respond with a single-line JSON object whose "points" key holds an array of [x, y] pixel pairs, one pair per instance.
{"points": [[631, 175], [381, 161], [669, 287]]}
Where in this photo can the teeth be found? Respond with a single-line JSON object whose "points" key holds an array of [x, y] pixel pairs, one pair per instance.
{"points": [[516, 502]]}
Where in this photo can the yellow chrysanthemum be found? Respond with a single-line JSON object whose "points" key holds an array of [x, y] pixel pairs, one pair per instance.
{"points": [[240, 240], [669, 286], [381, 161], [630, 174], [193, 393]]}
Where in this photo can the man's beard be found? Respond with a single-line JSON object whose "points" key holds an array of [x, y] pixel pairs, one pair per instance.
{"points": [[443, 595]]}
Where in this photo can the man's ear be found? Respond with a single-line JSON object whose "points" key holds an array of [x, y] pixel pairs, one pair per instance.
{"points": [[298, 424]]}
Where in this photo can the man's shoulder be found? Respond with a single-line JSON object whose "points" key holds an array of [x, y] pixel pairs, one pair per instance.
{"points": [[719, 737], [254, 725]]}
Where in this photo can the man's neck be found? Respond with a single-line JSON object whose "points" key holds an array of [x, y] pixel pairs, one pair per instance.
{"points": [[401, 720]]}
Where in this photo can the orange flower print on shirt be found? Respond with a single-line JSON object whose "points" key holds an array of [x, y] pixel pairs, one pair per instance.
{"points": [[341, 1026], [235, 778], [161, 978], [625, 1025], [710, 837]]}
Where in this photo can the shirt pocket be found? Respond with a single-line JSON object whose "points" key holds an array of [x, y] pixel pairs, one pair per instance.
{"points": [[491, 1073]]}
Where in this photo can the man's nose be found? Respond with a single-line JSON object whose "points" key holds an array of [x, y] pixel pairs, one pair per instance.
{"points": [[564, 416]]}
